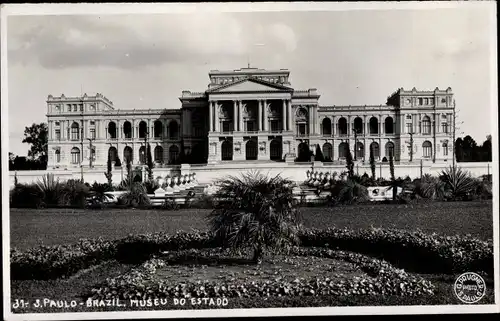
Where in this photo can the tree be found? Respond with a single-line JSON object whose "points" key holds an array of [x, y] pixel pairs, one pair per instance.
{"points": [[109, 173], [391, 166], [486, 155], [318, 157], [118, 163], [255, 212], [372, 162], [350, 162], [149, 162], [37, 136]]}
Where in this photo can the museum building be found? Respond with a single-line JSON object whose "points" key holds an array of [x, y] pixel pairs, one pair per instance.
{"points": [[250, 115]]}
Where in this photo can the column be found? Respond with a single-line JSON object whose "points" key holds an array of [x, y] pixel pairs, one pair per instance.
{"points": [[438, 122], [334, 127], [210, 116], [242, 127], [217, 121], [379, 125], [284, 115], [51, 135], [290, 115], [266, 115], [235, 116], [349, 126], [366, 127]]}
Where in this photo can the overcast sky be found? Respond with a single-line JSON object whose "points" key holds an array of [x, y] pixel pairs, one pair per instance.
{"points": [[351, 57]]}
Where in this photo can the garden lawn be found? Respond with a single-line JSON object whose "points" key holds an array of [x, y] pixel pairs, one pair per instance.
{"points": [[31, 228]]}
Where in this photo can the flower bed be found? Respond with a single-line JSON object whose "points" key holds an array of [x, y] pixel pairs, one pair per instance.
{"points": [[52, 262], [413, 250], [383, 279]]}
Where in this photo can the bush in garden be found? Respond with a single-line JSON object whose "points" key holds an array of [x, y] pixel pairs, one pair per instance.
{"points": [[136, 196], [151, 186], [75, 193], [98, 191], [26, 196], [51, 191], [431, 187], [483, 189], [255, 211], [458, 183], [350, 191]]}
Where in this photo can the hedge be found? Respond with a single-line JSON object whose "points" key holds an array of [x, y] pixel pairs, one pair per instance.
{"points": [[415, 251]]}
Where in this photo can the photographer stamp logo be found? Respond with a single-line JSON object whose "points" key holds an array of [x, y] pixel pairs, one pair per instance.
{"points": [[470, 287]]}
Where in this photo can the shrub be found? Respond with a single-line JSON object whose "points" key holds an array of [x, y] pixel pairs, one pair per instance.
{"points": [[256, 212], [98, 191], [136, 196], [51, 191], [349, 191], [458, 183], [151, 186], [26, 196], [75, 193]]}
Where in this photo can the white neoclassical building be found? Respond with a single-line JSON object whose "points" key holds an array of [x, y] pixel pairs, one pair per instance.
{"points": [[250, 115]]}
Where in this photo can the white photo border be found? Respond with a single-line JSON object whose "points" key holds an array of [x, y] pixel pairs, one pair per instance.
{"points": [[148, 8]]}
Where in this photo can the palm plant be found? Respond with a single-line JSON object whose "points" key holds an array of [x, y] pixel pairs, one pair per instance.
{"points": [[431, 187], [50, 190], [136, 196], [458, 182], [350, 191], [98, 191], [255, 212]]}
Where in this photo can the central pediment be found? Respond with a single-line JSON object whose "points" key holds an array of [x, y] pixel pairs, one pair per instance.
{"points": [[250, 85]]}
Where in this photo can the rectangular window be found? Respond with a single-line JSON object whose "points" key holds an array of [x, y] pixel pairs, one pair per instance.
{"points": [[250, 126], [275, 125], [69, 107], [92, 123], [420, 101], [302, 129], [75, 133], [445, 149], [226, 126], [431, 101], [92, 133], [426, 101], [408, 116], [444, 127], [81, 107], [58, 134], [409, 128], [75, 108]]}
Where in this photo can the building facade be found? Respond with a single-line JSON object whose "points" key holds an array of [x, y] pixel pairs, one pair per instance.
{"points": [[250, 115]]}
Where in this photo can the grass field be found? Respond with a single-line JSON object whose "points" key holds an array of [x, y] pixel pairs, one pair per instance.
{"points": [[61, 226]]}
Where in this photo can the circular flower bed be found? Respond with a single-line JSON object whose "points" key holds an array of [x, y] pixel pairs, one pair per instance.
{"points": [[211, 273]]}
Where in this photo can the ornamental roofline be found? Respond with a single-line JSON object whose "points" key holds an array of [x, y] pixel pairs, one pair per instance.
{"points": [[248, 71], [83, 98]]}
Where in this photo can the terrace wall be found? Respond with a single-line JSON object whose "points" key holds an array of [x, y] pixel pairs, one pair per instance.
{"points": [[295, 171]]}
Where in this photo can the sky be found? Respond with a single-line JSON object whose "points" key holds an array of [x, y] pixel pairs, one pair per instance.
{"points": [[145, 61]]}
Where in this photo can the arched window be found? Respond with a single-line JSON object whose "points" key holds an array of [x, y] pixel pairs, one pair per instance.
{"points": [[128, 154], [358, 125], [327, 127], [173, 130], [427, 149], [426, 125], [173, 154], [276, 150], [342, 124], [159, 154], [389, 149], [75, 131], [143, 129], [251, 150], [375, 149], [343, 150], [75, 155], [158, 129], [142, 155], [127, 129], [445, 149], [227, 150], [112, 130], [360, 150], [327, 152], [113, 154], [373, 125], [389, 125], [58, 156]]}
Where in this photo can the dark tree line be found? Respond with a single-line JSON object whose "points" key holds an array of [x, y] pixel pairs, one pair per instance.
{"points": [[467, 150]]}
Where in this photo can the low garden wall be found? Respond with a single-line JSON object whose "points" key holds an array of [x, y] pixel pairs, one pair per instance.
{"points": [[295, 171]]}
